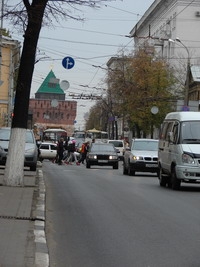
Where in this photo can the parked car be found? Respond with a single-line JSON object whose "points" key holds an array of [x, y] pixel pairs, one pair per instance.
{"points": [[141, 157], [47, 150], [118, 144], [102, 154], [31, 150]]}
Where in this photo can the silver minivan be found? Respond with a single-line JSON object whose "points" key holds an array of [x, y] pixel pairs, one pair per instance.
{"points": [[179, 149], [31, 150]]}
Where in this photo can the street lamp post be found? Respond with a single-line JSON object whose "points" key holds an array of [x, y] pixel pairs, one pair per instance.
{"points": [[186, 95]]}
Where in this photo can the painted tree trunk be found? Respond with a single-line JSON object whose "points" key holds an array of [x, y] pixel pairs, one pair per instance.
{"points": [[15, 166], [14, 175]]}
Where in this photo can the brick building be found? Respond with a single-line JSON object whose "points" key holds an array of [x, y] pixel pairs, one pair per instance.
{"points": [[49, 109]]}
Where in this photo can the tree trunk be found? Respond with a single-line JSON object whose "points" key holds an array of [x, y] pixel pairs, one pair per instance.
{"points": [[15, 160]]}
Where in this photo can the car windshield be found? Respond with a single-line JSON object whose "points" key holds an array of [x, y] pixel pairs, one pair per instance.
{"points": [[102, 147], [29, 137], [5, 135], [116, 143], [190, 132], [145, 145]]}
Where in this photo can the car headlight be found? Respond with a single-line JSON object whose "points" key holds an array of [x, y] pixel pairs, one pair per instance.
{"points": [[186, 158], [113, 157], [92, 156], [137, 158]]}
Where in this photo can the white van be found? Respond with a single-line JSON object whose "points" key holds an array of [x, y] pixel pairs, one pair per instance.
{"points": [[179, 149]]}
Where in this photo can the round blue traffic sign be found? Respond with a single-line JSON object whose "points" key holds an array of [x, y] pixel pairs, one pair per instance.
{"points": [[68, 62]]}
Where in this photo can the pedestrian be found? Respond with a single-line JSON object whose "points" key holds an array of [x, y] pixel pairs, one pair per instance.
{"points": [[66, 152], [60, 150], [72, 152], [84, 150]]}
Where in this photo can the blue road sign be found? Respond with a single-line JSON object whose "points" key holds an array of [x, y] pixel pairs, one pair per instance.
{"points": [[68, 62]]}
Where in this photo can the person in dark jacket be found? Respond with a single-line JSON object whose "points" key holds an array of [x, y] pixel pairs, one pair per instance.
{"points": [[60, 150]]}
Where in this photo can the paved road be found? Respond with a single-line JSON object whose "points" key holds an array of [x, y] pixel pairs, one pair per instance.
{"points": [[99, 217]]}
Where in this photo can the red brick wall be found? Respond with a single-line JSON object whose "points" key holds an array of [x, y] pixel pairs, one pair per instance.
{"points": [[44, 113]]}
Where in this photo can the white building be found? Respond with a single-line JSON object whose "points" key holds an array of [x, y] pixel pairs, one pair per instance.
{"points": [[169, 19], [172, 27]]}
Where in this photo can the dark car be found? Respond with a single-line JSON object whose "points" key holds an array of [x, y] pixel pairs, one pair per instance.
{"points": [[31, 150], [102, 154]]}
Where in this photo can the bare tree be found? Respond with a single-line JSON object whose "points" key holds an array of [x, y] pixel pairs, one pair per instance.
{"points": [[30, 17]]}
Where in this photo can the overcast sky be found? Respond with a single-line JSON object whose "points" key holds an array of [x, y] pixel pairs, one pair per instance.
{"points": [[90, 43]]}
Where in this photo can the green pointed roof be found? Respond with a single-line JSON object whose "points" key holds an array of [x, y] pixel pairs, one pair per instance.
{"points": [[49, 86]]}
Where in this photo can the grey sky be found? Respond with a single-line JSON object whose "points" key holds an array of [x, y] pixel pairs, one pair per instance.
{"points": [[90, 44]]}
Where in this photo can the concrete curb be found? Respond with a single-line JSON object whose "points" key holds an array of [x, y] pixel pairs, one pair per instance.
{"points": [[41, 252]]}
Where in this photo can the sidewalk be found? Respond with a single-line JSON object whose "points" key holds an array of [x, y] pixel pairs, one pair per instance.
{"points": [[22, 223]]}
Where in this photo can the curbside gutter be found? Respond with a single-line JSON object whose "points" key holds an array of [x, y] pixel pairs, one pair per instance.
{"points": [[41, 249]]}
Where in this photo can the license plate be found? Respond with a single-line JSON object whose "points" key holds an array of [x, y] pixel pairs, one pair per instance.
{"points": [[151, 165], [102, 161]]}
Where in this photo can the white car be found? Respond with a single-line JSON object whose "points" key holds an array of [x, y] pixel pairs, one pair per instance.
{"points": [[141, 157], [47, 151], [119, 144]]}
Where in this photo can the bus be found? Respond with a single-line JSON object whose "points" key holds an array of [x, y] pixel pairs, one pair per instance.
{"points": [[97, 135], [53, 135], [79, 135]]}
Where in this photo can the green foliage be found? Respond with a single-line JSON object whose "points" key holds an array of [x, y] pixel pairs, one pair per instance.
{"points": [[138, 83], [5, 32]]}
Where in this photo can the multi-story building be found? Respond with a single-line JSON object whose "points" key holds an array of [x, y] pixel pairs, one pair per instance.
{"points": [[49, 109], [117, 124], [168, 20], [172, 28], [9, 59]]}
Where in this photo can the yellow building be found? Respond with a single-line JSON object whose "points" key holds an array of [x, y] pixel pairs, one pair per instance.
{"points": [[9, 63]]}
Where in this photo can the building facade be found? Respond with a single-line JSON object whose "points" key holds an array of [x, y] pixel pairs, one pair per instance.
{"points": [[49, 109], [10, 57], [172, 28]]}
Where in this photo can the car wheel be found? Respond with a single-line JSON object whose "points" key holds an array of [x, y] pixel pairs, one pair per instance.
{"points": [[116, 166], [175, 183], [163, 180], [87, 165], [125, 171]]}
